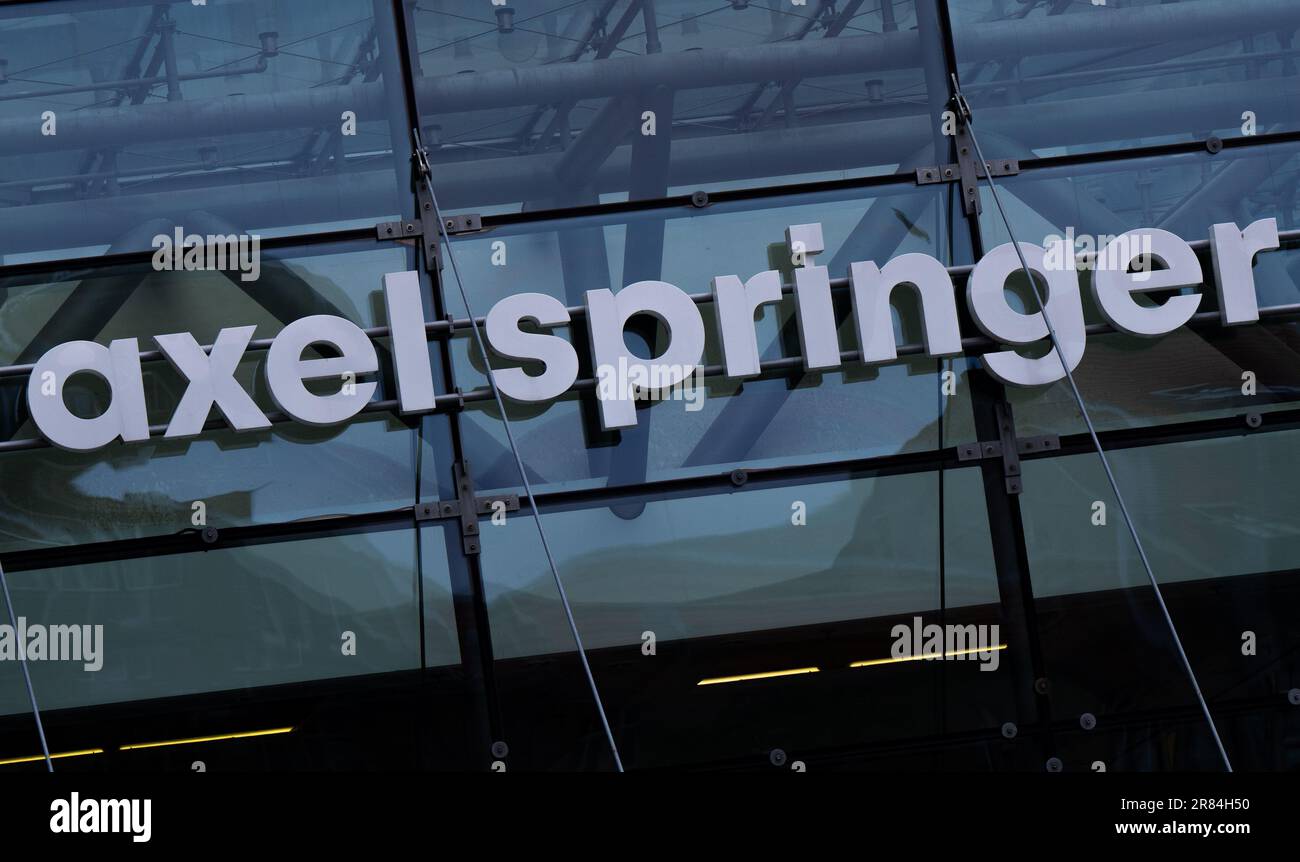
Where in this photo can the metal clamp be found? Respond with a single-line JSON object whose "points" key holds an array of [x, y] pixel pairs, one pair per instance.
{"points": [[395, 230], [968, 170], [438, 510], [1009, 448]]}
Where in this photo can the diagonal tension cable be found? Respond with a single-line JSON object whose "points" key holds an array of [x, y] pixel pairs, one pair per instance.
{"points": [[964, 115], [422, 167], [27, 676]]}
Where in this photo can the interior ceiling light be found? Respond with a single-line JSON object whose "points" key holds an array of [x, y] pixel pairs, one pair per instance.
{"points": [[195, 739], [517, 46], [35, 758], [745, 677], [949, 654]]}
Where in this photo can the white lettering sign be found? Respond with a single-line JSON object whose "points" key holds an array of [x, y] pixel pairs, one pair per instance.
{"points": [[626, 378]]}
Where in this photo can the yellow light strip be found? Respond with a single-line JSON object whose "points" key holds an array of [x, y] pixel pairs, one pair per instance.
{"points": [[949, 654], [749, 676], [61, 754], [195, 739]]}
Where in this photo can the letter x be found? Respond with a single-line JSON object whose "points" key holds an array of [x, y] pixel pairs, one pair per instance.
{"points": [[211, 382]]}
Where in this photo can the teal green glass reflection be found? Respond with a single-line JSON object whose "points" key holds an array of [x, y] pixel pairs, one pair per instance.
{"points": [[220, 479], [1217, 518], [232, 619], [1213, 508], [1193, 372], [732, 563]]}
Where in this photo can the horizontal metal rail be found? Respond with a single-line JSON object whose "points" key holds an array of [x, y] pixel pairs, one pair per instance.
{"points": [[723, 481], [443, 328], [456, 401]]}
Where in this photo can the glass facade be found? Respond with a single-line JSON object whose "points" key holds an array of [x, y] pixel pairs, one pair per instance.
{"points": [[739, 564]]}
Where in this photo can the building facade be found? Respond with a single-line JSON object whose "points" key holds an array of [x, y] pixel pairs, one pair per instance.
{"points": [[758, 565]]}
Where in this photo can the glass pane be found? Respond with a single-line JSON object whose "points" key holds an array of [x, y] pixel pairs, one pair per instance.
{"points": [[1050, 78], [232, 618], [705, 618], [124, 120], [1215, 520], [787, 418], [1194, 372], [530, 106], [54, 497]]}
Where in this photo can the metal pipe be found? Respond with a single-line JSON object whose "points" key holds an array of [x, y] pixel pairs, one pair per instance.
{"points": [[167, 33], [652, 43], [621, 75]]}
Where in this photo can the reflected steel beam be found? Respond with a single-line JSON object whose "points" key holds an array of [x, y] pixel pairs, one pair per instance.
{"points": [[696, 161], [623, 75]]}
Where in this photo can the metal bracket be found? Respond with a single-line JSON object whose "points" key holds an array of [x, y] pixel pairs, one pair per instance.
{"points": [[464, 223], [1009, 448], [457, 224], [968, 169], [398, 230], [469, 530], [961, 172]]}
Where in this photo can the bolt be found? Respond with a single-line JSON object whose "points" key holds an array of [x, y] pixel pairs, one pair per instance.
{"points": [[500, 750], [1294, 696], [1054, 764], [1087, 721], [1009, 730], [739, 477], [777, 757], [1254, 420], [1042, 686], [210, 535], [700, 199]]}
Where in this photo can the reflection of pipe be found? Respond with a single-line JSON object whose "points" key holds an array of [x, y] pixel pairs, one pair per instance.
{"points": [[620, 75], [887, 21], [695, 162], [167, 35]]}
